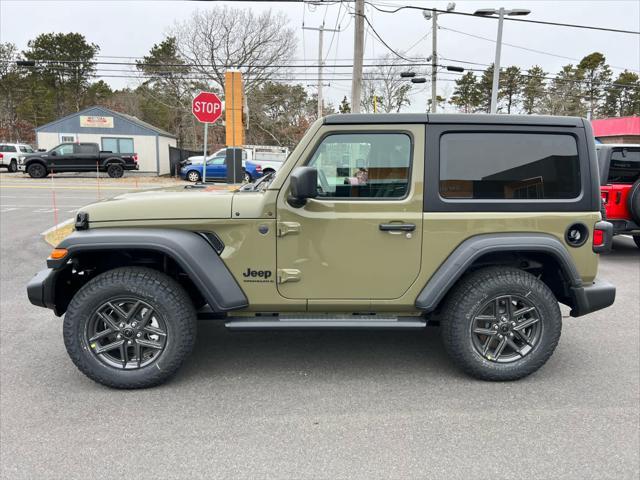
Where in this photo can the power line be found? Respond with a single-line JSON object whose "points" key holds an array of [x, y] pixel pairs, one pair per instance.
{"points": [[541, 22]]}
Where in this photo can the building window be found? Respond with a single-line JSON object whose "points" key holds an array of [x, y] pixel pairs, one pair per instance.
{"points": [[117, 145], [67, 138], [510, 165], [363, 165]]}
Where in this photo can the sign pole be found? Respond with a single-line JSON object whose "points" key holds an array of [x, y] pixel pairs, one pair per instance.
{"points": [[204, 157]]}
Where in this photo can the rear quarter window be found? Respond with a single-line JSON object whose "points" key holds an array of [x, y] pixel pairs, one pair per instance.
{"points": [[509, 166], [7, 148], [624, 166]]}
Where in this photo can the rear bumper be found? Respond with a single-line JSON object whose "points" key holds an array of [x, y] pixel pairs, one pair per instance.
{"points": [[586, 299], [41, 288], [621, 226]]}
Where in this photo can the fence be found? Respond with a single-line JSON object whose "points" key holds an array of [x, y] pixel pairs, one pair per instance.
{"points": [[177, 156]]}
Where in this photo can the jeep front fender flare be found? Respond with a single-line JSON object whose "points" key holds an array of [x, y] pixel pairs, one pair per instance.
{"points": [[473, 248], [190, 250]]}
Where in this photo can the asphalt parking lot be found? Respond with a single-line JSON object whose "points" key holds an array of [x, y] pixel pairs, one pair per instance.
{"points": [[312, 405]]}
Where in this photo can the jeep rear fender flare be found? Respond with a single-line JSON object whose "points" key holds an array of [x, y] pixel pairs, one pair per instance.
{"points": [[190, 250], [475, 247]]}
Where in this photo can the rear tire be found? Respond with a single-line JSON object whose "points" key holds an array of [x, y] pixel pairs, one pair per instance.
{"points": [[115, 170], [512, 346], [147, 315], [37, 170]]}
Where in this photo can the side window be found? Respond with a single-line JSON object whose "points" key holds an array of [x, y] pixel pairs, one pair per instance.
{"points": [[83, 148], [7, 148], [363, 165], [509, 166], [66, 149], [26, 149], [117, 145]]}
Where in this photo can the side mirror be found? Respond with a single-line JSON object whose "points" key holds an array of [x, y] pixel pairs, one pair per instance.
{"points": [[54, 153], [304, 184]]}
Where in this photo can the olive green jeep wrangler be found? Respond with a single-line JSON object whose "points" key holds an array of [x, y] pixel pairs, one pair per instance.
{"points": [[481, 223]]}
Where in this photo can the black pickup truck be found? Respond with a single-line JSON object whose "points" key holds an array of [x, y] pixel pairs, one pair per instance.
{"points": [[77, 157]]}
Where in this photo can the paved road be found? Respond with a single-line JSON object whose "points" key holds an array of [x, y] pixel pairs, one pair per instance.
{"points": [[313, 405]]}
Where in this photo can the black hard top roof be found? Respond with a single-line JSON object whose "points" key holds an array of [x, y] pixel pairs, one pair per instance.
{"points": [[465, 118]]}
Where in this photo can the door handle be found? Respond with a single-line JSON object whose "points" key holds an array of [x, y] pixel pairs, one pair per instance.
{"points": [[397, 227]]}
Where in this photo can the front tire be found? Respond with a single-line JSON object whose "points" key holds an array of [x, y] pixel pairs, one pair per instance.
{"points": [[501, 323], [37, 170], [115, 171], [13, 166], [193, 176], [130, 327]]}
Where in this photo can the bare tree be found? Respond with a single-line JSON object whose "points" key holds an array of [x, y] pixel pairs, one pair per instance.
{"points": [[220, 38], [384, 87]]}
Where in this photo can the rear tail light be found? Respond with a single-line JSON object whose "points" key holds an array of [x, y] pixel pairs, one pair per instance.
{"points": [[258, 168], [602, 237], [135, 158], [598, 238], [605, 196], [1, 156]]}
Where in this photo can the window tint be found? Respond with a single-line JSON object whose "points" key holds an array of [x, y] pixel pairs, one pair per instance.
{"points": [[66, 149], [7, 148], [85, 148], [363, 165], [26, 149], [624, 166], [521, 166], [117, 145]]}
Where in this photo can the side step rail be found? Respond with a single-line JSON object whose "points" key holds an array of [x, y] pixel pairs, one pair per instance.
{"points": [[328, 322]]}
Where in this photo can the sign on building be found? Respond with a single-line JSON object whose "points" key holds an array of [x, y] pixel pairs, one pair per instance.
{"points": [[94, 121]]}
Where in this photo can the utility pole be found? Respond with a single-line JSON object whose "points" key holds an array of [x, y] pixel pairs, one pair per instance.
{"points": [[320, 31], [358, 54], [434, 60]]}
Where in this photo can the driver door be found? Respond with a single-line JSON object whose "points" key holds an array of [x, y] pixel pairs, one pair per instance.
{"points": [[361, 238]]}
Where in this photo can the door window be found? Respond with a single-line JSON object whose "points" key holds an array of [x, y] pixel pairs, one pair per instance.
{"points": [[66, 149], [363, 165]]}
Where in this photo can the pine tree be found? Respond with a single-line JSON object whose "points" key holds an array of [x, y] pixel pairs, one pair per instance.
{"points": [[596, 76], [510, 87], [564, 94], [623, 96], [485, 85], [465, 95], [533, 89]]}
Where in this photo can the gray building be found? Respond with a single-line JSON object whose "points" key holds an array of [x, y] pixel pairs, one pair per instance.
{"points": [[113, 131]]}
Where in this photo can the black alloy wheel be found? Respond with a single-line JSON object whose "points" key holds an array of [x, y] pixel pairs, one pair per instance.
{"points": [[506, 329], [126, 333], [37, 170]]}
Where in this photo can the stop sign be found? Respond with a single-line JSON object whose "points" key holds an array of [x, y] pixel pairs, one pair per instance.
{"points": [[207, 107]]}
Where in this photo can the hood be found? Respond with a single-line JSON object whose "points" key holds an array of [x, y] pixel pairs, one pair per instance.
{"points": [[173, 203]]}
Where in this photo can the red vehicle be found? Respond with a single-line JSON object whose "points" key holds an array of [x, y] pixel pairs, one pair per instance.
{"points": [[620, 187]]}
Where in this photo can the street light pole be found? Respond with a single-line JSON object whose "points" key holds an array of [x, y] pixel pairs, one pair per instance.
{"points": [[501, 12], [496, 63], [434, 60]]}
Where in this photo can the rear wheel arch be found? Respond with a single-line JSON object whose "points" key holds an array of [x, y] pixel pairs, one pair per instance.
{"points": [[540, 254]]}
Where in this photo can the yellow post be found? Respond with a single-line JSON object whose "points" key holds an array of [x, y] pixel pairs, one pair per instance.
{"points": [[375, 104], [233, 97]]}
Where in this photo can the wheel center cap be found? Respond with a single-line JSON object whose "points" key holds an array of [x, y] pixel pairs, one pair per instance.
{"points": [[504, 327], [127, 332]]}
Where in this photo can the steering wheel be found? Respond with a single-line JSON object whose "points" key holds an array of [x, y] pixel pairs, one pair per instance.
{"points": [[324, 184]]}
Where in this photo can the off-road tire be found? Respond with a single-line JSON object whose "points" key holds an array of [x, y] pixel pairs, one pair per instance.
{"points": [[634, 201], [37, 170], [115, 170], [13, 166], [464, 303], [193, 176], [164, 294]]}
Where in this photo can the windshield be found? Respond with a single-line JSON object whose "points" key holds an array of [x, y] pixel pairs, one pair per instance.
{"points": [[26, 149]]}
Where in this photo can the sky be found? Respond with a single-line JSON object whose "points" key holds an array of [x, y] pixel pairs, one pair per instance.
{"points": [[130, 28]]}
